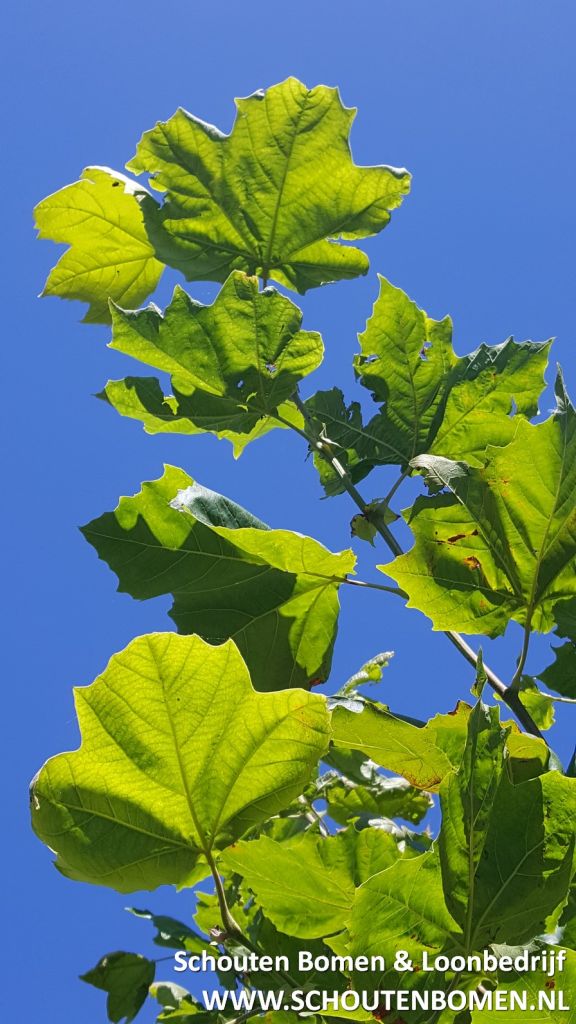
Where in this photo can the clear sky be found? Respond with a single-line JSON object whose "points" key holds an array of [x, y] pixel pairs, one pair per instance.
{"points": [[477, 101]]}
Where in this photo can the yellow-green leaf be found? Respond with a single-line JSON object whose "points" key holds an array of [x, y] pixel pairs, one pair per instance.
{"points": [[110, 256], [179, 756], [272, 198]]}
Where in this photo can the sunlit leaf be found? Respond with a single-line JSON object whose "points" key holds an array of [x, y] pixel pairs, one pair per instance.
{"points": [[433, 400], [179, 756], [377, 796], [110, 256], [272, 198], [318, 876], [501, 543], [232, 363], [126, 977], [392, 743], [274, 592]]}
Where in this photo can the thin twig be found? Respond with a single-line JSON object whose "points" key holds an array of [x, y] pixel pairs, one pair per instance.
{"points": [[558, 700], [375, 586], [231, 927], [312, 815], [395, 486], [522, 659]]}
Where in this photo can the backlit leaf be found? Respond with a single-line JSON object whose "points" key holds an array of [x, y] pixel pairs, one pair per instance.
{"points": [[561, 674], [318, 874], [377, 796], [392, 743], [110, 256], [275, 593], [435, 401], [232, 363], [501, 544], [272, 198], [497, 835], [540, 992], [179, 756], [142, 398]]}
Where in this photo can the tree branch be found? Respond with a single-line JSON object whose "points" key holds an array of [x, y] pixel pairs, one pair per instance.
{"points": [[506, 693]]}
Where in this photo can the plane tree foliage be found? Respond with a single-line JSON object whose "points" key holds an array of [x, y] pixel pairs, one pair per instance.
{"points": [[224, 749]]}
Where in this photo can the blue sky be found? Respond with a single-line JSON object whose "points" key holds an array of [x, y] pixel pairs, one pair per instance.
{"points": [[477, 101]]}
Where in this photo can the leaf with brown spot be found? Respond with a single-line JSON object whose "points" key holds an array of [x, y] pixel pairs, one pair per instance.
{"points": [[522, 536]]}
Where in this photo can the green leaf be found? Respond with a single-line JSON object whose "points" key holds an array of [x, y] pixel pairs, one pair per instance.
{"points": [[535, 984], [110, 256], [565, 614], [528, 756], [232, 363], [272, 198], [561, 675], [178, 1005], [568, 920], [365, 525], [499, 871], [126, 977], [362, 528], [495, 835], [449, 732], [467, 799], [370, 673], [402, 908], [342, 426], [434, 401], [318, 876], [152, 789], [142, 398], [170, 933], [393, 743], [501, 544], [481, 678], [539, 706], [375, 797], [275, 593]]}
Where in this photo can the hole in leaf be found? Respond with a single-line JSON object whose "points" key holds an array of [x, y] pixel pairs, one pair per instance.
{"points": [[271, 367]]}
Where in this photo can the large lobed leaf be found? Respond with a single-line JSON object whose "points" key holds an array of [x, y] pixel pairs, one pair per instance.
{"points": [[273, 197], [501, 544], [499, 872], [433, 401], [318, 876], [495, 835], [179, 757], [110, 255], [274, 592], [233, 364]]}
